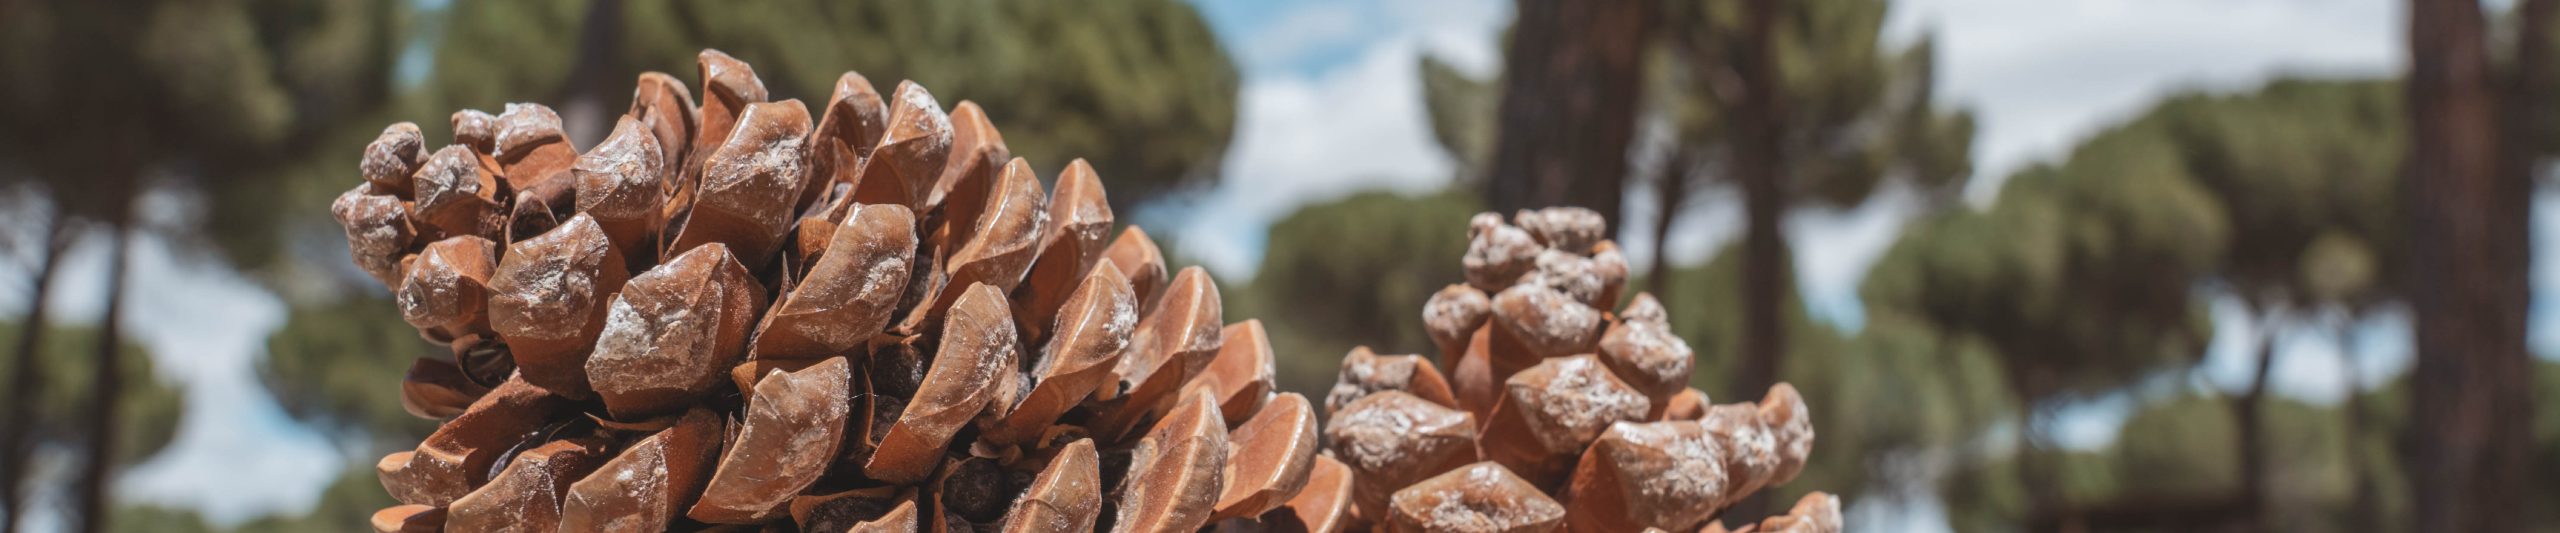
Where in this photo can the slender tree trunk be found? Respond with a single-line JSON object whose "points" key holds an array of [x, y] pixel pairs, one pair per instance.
{"points": [[1673, 187], [2523, 122], [587, 96], [2250, 411], [1570, 87], [1765, 284], [2368, 498], [1761, 168], [2468, 222], [2032, 479], [14, 441], [106, 392]]}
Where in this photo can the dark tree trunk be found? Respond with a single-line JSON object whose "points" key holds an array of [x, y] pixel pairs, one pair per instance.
{"points": [[1673, 187], [2524, 123], [587, 97], [2467, 220], [105, 394], [1568, 104], [2368, 498], [1760, 166], [2249, 413], [14, 435], [1765, 284], [2041, 499]]}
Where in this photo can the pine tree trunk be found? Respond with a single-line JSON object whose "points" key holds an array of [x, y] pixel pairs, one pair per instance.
{"points": [[2368, 498], [587, 96], [14, 441], [1570, 87], [1761, 169], [1674, 190], [2041, 501], [2251, 411], [2468, 220], [106, 392]]}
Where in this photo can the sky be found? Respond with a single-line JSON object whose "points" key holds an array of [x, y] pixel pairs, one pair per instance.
{"points": [[237, 455], [1331, 105]]}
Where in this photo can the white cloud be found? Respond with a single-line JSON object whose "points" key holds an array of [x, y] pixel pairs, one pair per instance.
{"points": [[2543, 325], [1356, 127], [1300, 32], [236, 455], [2044, 74], [1460, 31], [1309, 38], [1836, 247]]}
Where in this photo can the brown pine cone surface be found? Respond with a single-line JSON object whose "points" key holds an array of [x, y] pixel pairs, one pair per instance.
{"points": [[751, 315], [738, 316], [1554, 414]]}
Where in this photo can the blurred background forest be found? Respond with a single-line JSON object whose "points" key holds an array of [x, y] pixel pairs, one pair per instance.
{"points": [[2166, 274]]}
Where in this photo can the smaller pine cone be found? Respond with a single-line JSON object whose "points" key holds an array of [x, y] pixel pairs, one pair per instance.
{"points": [[1583, 418]]}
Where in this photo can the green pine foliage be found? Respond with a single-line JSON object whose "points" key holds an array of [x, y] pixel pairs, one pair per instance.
{"points": [[338, 365], [1354, 272], [152, 405]]}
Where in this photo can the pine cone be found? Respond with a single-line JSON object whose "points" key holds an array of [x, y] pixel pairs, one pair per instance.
{"points": [[742, 317], [1557, 415], [1815, 513]]}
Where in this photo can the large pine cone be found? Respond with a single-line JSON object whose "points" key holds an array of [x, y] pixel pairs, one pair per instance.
{"points": [[742, 316], [733, 317], [1557, 415]]}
